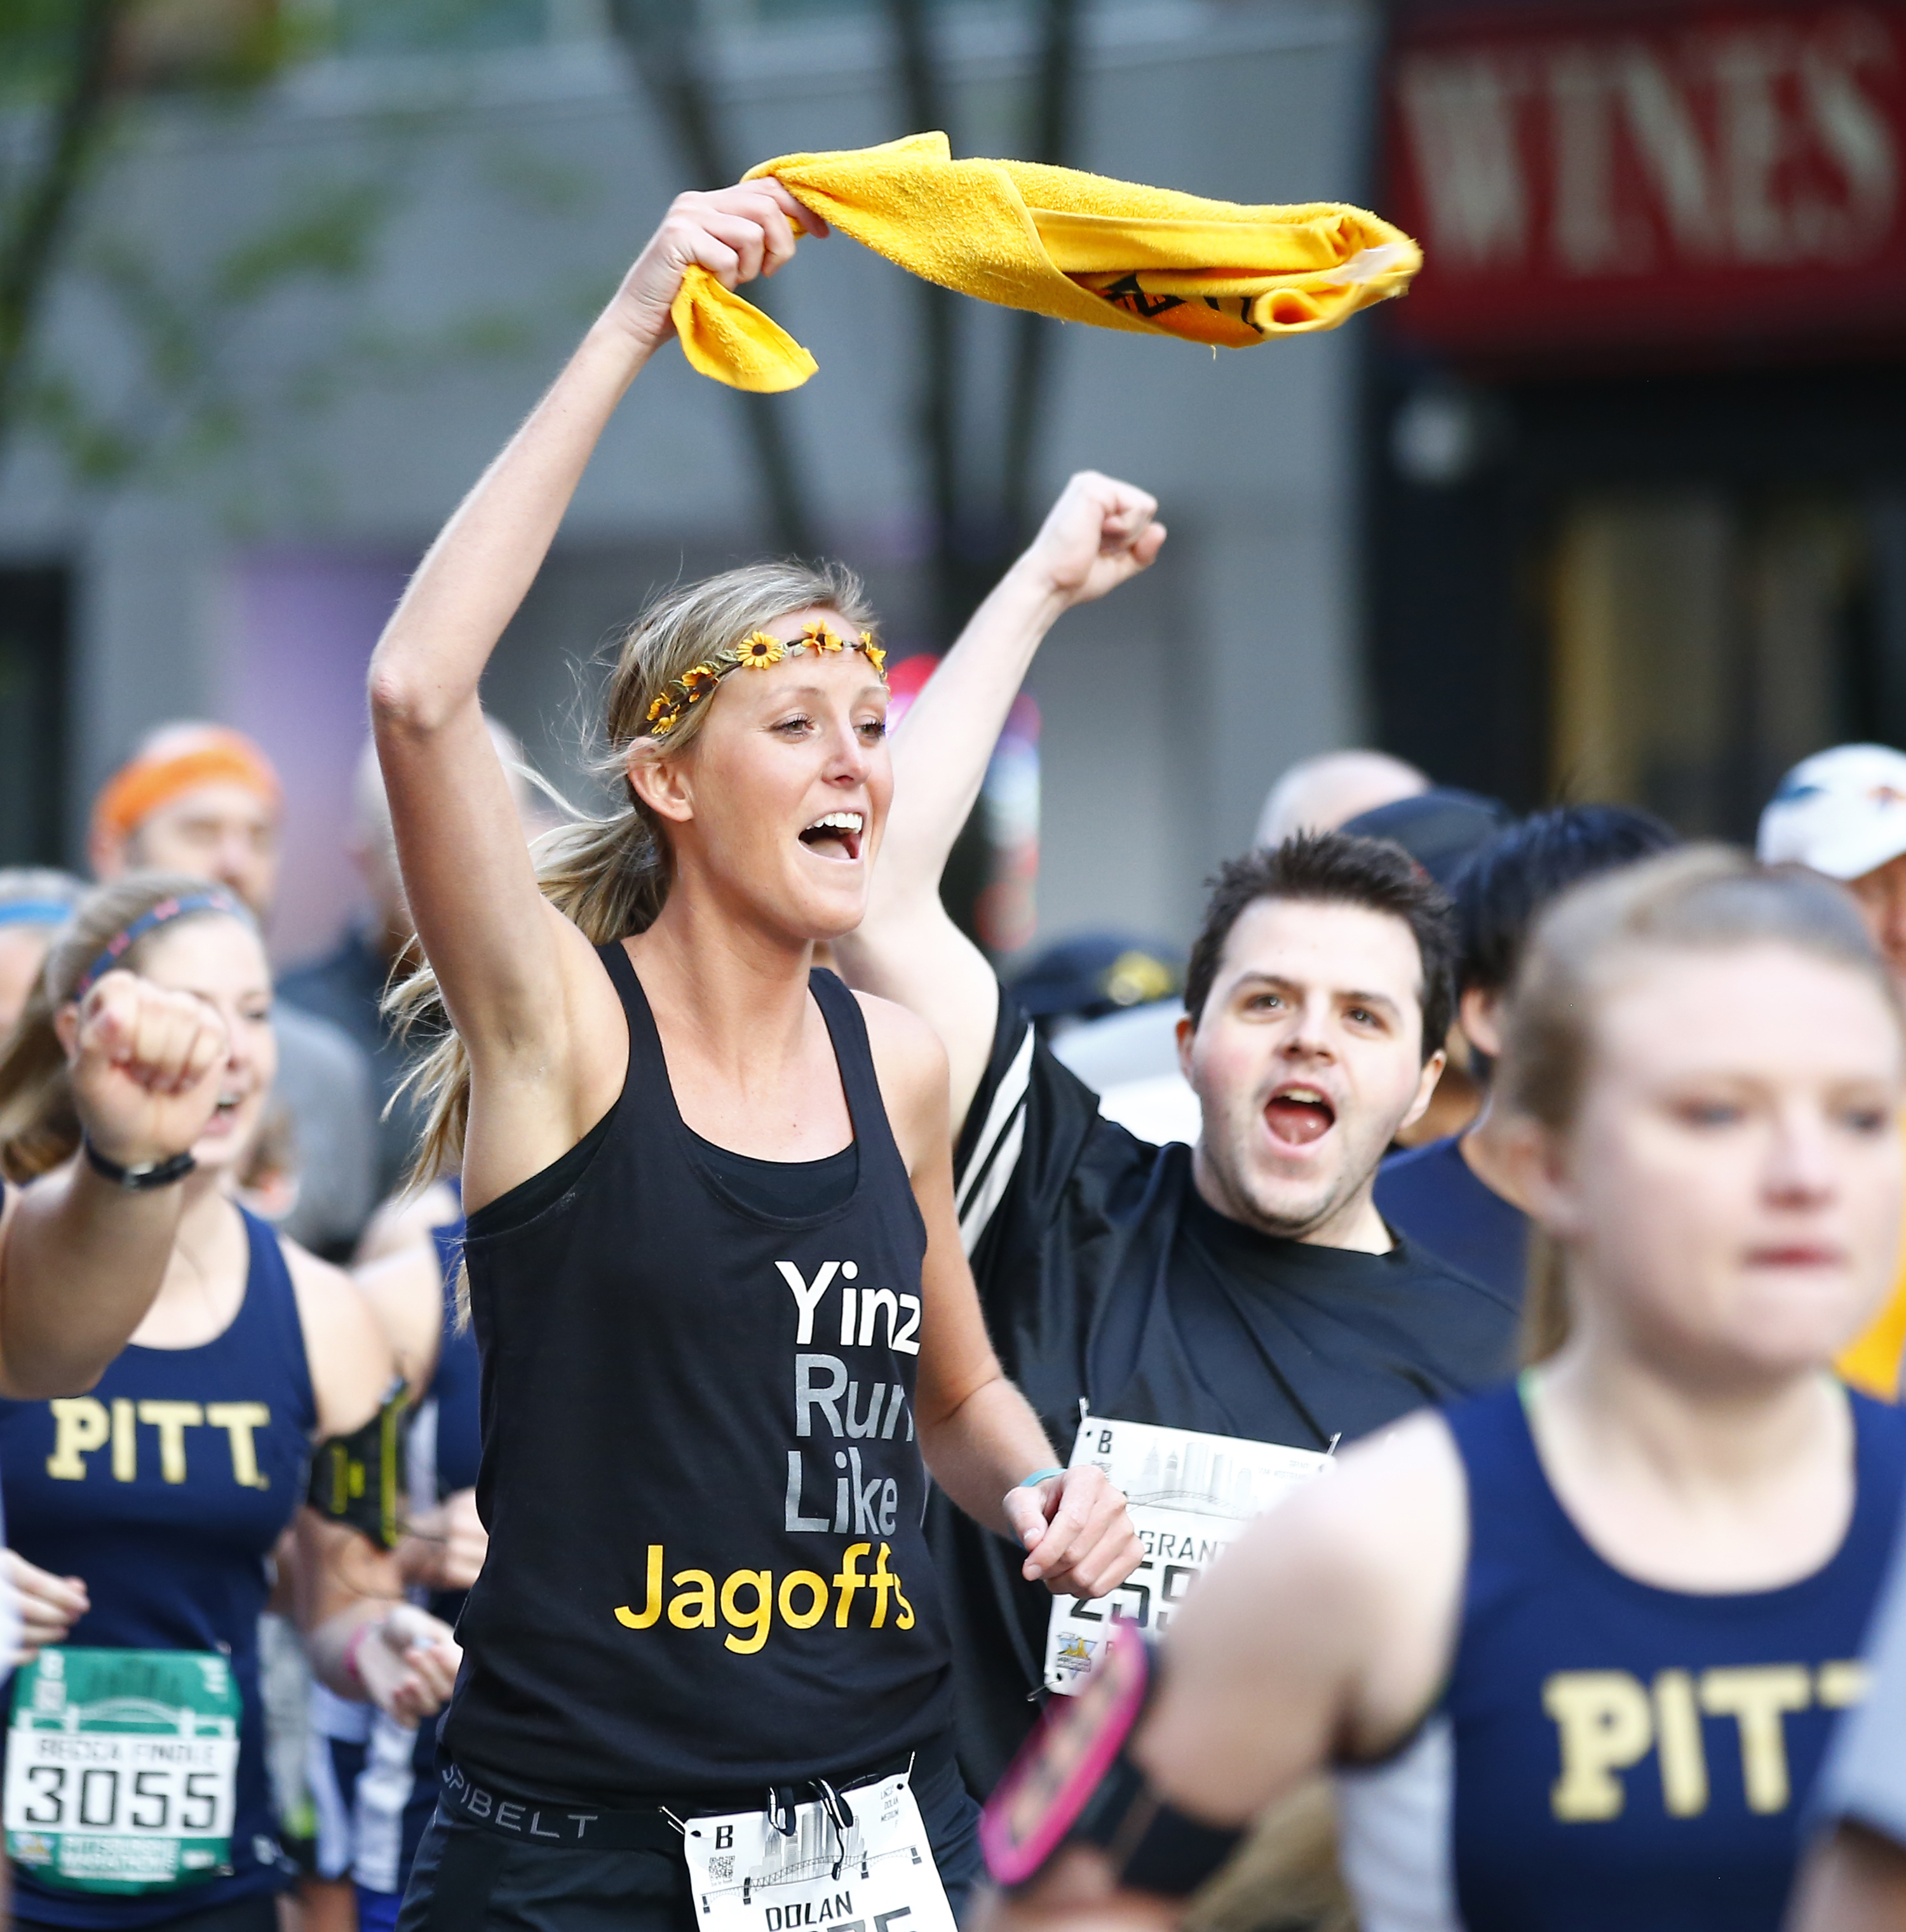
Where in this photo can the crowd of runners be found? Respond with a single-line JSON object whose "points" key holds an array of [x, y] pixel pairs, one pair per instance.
{"points": [[618, 1399]]}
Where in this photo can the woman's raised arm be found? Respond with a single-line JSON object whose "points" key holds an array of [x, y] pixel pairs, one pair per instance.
{"points": [[513, 972]]}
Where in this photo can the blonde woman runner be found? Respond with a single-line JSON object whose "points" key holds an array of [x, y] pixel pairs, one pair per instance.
{"points": [[713, 1264]]}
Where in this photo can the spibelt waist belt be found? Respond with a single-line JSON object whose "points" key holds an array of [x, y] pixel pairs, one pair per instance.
{"points": [[475, 1798]]}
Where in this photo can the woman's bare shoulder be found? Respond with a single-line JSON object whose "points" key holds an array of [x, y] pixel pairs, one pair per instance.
{"points": [[350, 1358], [911, 1063], [405, 1291], [1334, 1615], [1385, 1509]]}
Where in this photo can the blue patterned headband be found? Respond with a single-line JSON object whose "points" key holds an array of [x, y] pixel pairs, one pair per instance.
{"points": [[164, 913]]}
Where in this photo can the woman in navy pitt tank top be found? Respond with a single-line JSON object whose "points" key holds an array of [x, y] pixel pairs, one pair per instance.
{"points": [[81, 1254], [1577, 1648], [714, 1271], [143, 1514]]}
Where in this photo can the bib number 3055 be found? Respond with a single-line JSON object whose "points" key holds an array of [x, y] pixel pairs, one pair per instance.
{"points": [[122, 1768]]}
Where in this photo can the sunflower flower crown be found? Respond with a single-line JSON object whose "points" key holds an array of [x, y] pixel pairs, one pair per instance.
{"points": [[755, 651]]}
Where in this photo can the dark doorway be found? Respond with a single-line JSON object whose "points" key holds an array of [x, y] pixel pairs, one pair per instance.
{"points": [[1664, 588], [35, 608]]}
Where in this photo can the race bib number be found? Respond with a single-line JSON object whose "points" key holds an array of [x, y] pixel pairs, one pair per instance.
{"points": [[122, 1768], [875, 1874], [1189, 1495]]}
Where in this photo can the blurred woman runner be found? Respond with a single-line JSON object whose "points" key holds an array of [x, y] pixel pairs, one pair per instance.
{"points": [[35, 902], [142, 1516], [1576, 1647], [713, 1264], [81, 1256], [373, 1779]]}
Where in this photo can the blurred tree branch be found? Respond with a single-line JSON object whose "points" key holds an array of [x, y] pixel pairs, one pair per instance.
{"points": [[978, 484], [38, 212], [1052, 141], [977, 528], [665, 41], [164, 357], [187, 391], [939, 335]]}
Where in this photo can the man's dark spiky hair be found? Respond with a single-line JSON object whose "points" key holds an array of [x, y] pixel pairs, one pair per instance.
{"points": [[1334, 868]]}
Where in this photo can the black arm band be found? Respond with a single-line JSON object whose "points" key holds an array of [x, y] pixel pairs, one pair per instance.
{"points": [[1151, 1846], [1075, 1783], [1158, 1848], [358, 1479]]}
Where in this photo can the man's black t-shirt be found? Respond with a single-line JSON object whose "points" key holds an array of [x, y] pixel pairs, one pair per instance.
{"points": [[1106, 1280]]}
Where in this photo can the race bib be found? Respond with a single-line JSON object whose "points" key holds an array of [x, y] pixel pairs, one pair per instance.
{"points": [[122, 1768], [873, 1874], [1189, 1495]]}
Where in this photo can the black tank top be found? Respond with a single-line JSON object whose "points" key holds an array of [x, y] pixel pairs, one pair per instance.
{"points": [[706, 1573]]}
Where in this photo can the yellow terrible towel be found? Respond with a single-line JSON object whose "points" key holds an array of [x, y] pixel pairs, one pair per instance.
{"points": [[1063, 244]]}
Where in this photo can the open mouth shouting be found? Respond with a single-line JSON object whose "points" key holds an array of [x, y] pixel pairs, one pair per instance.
{"points": [[225, 1113], [1298, 1115], [834, 835]]}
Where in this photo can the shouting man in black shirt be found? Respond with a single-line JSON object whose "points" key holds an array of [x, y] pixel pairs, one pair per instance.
{"points": [[1245, 1289]]}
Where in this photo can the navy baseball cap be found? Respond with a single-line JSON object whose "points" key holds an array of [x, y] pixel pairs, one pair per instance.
{"points": [[1439, 828]]}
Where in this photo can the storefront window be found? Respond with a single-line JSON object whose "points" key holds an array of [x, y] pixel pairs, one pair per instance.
{"points": [[1703, 641], [1637, 489]]}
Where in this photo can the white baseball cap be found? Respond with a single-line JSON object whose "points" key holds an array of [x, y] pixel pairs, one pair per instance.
{"points": [[1841, 812]]}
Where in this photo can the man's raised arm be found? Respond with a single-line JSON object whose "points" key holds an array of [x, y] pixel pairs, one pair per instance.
{"points": [[1099, 534]]}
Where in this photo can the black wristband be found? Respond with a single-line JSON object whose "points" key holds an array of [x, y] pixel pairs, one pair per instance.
{"points": [[138, 1180], [1158, 1848], [1074, 1782]]}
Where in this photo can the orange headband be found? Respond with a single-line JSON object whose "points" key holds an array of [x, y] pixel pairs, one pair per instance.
{"points": [[139, 787]]}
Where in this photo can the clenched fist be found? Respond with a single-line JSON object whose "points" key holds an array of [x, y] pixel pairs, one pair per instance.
{"points": [[1076, 1532], [146, 1065], [735, 233], [1099, 535], [407, 1663], [446, 1545], [48, 1606]]}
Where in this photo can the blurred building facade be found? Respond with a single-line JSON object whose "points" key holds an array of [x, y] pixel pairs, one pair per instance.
{"points": [[1614, 504], [392, 246], [1637, 442]]}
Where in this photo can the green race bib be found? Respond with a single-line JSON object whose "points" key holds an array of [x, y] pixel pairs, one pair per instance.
{"points": [[122, 1768]]}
